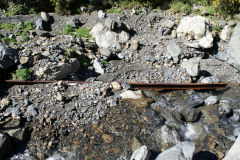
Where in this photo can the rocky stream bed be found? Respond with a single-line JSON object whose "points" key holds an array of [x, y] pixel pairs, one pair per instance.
{"points": [[104, 119]]}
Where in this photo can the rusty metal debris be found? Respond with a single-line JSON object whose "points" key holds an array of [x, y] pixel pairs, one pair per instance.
{"points": [[153, 86]]}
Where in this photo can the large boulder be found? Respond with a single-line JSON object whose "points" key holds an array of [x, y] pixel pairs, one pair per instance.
{"points": [[181, 151], [193, 26], [8, 56], [58, 70], [232, 55], [105, 38], [233, 153]]}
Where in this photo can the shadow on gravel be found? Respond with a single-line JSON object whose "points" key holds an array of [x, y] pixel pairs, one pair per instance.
{"points": [[204, 155]]}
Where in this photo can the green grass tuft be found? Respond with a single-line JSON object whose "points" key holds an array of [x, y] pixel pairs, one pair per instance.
{"points": [[83, 33], [180, 7], [21, 74]]}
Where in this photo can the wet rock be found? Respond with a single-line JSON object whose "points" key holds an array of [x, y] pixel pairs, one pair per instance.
{"points": [[98, 66], [136, 144], [233, 153], [175, 52], [58, 71], [183, 151], [207, 41], [224, 109], [236, 131], [211, 100], [131, 94], [211, 79], [101, 14], [195, 100], [140, 154], [232, 55], [8, 56], [194, 131], [75, 22], [226, 33], [6, 146], [190, 114], [166, 136], [195, 26], [236, 116], [191, 66], [107, 138], [18, 135], [45, 17]]}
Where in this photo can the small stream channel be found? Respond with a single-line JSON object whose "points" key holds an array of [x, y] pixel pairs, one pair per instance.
{"points": [[155, 121]]}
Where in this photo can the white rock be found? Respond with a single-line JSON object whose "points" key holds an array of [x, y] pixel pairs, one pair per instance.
{"points": [[97, 29], [131, 94], [98, 67], [140, 154], [124, 37], [45, 17], [175, 51], [191, 66], [226, 33], [116, 86], [195, 26], [193, 131], [211, 79], [181, 151], [169, 136], [101, 14], [211, 100], [207, 41], [193, 45], [233, 153]]}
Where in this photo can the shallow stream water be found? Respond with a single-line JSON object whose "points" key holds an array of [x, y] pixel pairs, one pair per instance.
{"points": [[135, 123]]}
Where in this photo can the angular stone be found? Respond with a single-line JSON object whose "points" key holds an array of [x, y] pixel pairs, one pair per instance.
{"points": [[181, 151], [8, 56], [18, 134], [124, 37], [175, 52], [191, 66], [207, 41], [132, 94], [140, 154], [211, 100], [226, 33]]}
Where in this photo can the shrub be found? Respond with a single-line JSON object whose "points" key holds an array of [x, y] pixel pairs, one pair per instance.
{"points": [[21, 74], [14, 9], [227, 7]]}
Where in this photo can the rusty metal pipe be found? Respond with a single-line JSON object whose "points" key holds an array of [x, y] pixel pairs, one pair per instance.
{"points": [[153, 86]]}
